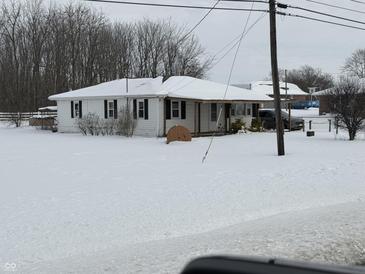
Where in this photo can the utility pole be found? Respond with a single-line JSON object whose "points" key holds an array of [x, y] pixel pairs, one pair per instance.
{"points": [[275, 79], [286, 90], [287, 103]]}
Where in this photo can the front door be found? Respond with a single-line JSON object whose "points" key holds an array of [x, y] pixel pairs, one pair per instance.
{"points": [[227, 117]]}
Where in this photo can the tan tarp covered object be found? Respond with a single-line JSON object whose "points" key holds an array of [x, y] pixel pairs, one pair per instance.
{"points": [[178, 133]]}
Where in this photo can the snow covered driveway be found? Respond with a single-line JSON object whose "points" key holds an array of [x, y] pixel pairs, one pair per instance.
{"points": [[67, 197]]}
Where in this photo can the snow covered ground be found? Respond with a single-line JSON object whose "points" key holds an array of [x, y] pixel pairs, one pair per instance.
{"points": [[71, 203]]}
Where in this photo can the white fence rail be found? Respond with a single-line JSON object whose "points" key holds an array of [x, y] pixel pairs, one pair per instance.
{"points": [[7, 116]]}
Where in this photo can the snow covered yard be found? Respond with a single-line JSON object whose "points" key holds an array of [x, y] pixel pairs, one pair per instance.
{"points": [[71, 203]]}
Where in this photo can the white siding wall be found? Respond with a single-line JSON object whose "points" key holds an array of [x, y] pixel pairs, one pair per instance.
{"points": [[154, 126], [188, 122], [150, 127], [65, 122]]}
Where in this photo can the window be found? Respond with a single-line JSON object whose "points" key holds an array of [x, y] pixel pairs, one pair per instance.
{"points": [[134, 108], [240, 109], [167, 109], [213, 112], [175, 109], [248, 111], [233, 110], [140, 109], [76, 109], [110, 109], [183, 110]]}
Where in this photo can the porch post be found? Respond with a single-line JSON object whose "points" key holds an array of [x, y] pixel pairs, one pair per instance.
{"points": [[199, 108], [195, 118], [229, 117], [164, 117]]}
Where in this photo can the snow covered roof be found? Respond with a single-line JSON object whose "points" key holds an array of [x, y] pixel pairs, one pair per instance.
{"points": [[192, 88], [49, 108], [176, 86], [321, 92], [265, 87], [116, 88]]}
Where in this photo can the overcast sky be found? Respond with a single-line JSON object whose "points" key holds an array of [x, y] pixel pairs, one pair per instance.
{"points": [[300, 41]]}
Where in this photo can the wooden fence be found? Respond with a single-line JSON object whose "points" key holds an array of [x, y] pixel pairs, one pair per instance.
{"points": [[7, 116]]}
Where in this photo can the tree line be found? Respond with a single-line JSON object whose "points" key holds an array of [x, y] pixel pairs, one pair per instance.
{"points": [[44, 51]]}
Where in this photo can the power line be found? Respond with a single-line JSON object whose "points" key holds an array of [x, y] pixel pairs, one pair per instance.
{"points": [[334, 6], [201, 20], [174, 6], [320, 20], [247, 1], [357, 1], [222, 49], [228, 81], [320, 13], [225, 54]]}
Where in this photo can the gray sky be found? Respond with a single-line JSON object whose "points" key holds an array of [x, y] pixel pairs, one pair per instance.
{"points": [[299, 41]]}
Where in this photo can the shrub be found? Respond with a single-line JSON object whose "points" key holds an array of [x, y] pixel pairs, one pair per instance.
{"points": [[107, 127], [89, 124], [237, 125], [93, 125], [256, 125], [16, 119], [126, 124]]}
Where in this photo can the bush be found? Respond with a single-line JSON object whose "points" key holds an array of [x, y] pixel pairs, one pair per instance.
{"points": [[93, 125], [90, 124], [107, 127], [256, 125], [16, 119], [125, 124], [237, 125]]}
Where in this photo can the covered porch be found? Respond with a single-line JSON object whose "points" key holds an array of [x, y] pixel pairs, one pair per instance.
{"points": [[207, 117]]}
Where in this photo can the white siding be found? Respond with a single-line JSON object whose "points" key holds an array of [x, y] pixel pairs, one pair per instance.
{"points": [[188, 122], [151, 126], [65, 122], [144, 127], [154, 126]]}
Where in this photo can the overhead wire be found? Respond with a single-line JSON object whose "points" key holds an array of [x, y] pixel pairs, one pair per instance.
{"points": [[174, 5], [228, 82], [335, 6], [201, 20], [357, 1], [321, 13], [320, 20], [221, 50]]}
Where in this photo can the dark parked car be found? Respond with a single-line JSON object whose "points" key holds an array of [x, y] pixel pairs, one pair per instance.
{"points": [[305, 104], [267, 117]]}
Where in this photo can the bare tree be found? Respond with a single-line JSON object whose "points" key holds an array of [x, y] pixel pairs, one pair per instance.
{"points": [[347, 102], [44, 51], [355, 65], [306, 77]]}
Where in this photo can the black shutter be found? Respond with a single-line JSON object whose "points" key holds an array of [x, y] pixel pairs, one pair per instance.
{"points": [[80, 109], [105, 109], [72, 109], [168, 109], [183, 110], [134, 108], [146, 109], [115, 109]]}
